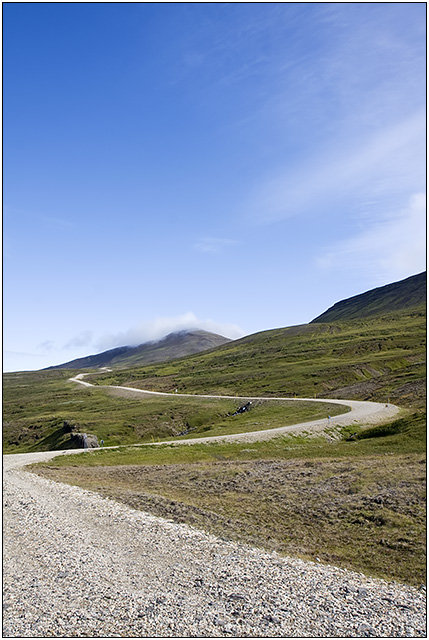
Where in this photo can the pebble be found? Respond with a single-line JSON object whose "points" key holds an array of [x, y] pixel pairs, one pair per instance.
{"points": [[77, 564]]}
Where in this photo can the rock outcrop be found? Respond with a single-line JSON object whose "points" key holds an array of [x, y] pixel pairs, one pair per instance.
{"points": [[80, 440]]}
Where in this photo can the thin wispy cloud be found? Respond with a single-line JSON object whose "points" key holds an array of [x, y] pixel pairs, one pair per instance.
{"points": [[24, 354], [46, 346], [162, 326], [392, 248], [83, 339], [214, 245], [384, 165], [349, 112]]}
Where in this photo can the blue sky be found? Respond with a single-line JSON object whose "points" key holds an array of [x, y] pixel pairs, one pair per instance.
{"points": [[236, 167]]}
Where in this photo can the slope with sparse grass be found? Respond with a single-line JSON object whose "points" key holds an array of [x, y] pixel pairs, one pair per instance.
{"points": [[405, 294], [375, 358], [356, 502]]}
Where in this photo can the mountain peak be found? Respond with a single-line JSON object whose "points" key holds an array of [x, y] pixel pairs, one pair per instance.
{"points": [[407, 293], [174, 345]]}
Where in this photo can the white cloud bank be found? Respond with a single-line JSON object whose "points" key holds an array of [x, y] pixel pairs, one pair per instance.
{"points": [[160, 327], [392, 248]]}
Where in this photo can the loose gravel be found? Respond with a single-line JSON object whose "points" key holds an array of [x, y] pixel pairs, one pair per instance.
{"points": [[79, 565]]}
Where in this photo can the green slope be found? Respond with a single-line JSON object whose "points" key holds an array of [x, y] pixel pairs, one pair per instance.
{"points": [[377, 357], [371, 346], [40, 407], [404, 294], [372, 358]]}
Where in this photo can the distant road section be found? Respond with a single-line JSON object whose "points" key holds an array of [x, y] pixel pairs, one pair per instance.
{"points": [[360, 412]]}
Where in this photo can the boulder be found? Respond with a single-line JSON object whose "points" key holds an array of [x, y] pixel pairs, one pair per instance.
{"points": [[84, 441]]}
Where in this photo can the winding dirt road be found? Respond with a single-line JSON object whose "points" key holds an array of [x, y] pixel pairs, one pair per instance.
{"points": [[78, 564], [360, 412]]}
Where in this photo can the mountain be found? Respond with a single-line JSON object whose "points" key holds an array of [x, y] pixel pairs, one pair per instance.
{"points": [[175, 345], [378, 355], [404, 294]]}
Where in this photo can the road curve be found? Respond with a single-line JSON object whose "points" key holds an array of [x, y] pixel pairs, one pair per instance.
{"points": [[360, 412], [76, 564]]}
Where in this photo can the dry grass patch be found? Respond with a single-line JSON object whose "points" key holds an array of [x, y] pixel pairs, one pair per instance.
{"points": [[367, 513]]}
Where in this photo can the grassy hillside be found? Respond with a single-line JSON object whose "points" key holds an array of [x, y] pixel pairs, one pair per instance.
{"points": [[404, 294], [371, 358], [357, 503], [37, 404], [175, 345], [377, 357]]}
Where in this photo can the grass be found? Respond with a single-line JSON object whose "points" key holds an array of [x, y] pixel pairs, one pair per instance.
{"points": [[356, 501], [374, 358], [36, 405], [379, 357], [410, 438], [358, 504], [407, 293]]}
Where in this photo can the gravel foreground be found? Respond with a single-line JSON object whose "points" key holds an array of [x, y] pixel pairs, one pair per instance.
{"points": [[79, 565]]}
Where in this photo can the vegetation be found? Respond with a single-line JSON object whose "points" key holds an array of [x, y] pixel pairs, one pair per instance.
{"points": [[36, 406], [354, 497], [406, 294], [376, 358], [354, 503], [409, 438]]}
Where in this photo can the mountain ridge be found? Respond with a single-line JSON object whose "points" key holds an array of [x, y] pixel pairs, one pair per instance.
{"points": [[403, 294], [376, 356], [174, 345]]}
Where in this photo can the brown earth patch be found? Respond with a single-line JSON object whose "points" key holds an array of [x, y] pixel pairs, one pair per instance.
{"points": [[367, 514]]}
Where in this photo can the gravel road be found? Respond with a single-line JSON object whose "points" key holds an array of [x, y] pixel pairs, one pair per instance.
{"points": [[360, 412], [79, 565]]}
